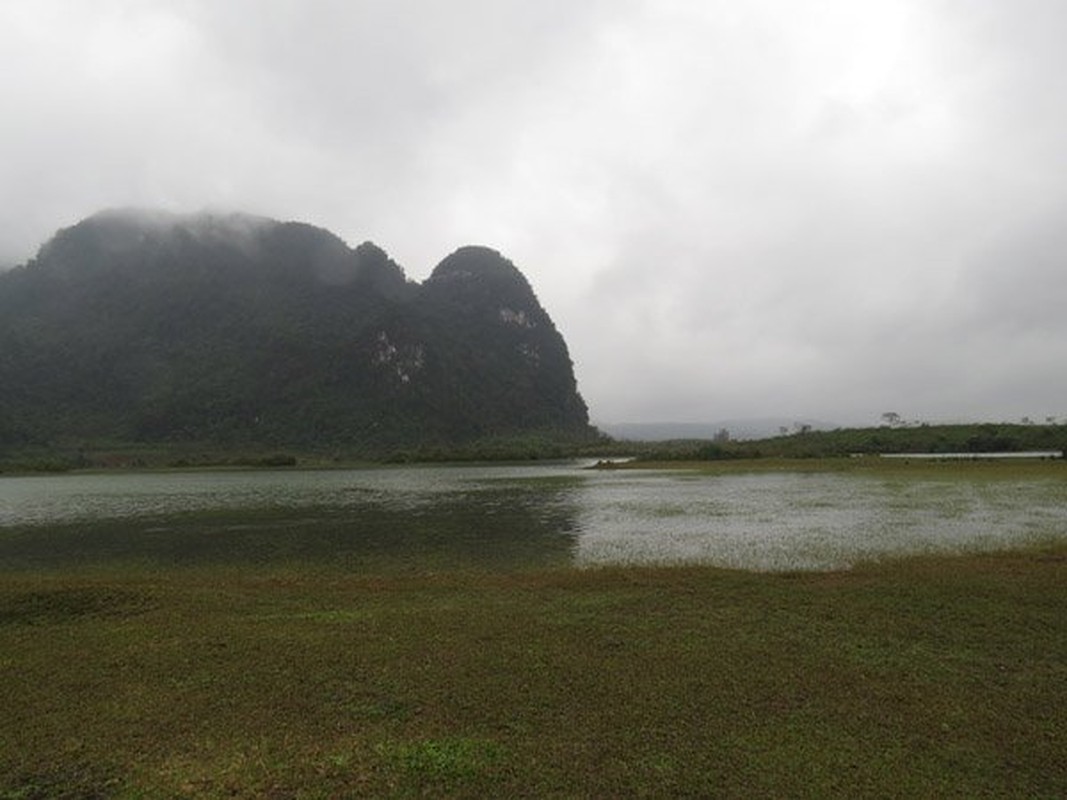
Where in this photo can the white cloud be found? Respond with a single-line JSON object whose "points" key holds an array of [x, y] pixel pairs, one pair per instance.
{"points": [[824, 208]]}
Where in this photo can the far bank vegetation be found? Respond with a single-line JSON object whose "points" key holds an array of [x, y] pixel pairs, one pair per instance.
{"points": [[844, 442]]}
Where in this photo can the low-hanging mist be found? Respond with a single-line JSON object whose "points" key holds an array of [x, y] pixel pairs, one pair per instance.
{"points": [[156, 327]]}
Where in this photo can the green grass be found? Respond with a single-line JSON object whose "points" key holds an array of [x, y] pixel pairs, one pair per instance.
{"points": [[969, 438], [922, 677], [920, 469]]}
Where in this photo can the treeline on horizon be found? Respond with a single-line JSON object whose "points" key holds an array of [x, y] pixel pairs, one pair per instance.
{"points": [[532, 446], [844, 442], [548, 445]]}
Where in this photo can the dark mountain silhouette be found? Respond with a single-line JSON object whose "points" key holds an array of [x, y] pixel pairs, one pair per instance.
{"points": [[148, 326]]}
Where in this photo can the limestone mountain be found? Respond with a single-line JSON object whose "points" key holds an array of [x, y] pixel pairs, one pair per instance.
{"points": [[149, 326]]}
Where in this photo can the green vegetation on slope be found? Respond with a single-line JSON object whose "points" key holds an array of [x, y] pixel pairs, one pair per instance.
{"points": [[972, 438], [237, 331], [926, 677]]}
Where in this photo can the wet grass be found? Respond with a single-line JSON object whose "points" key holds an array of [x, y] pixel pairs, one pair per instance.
{"points": [[994, 469], [920, 677]]}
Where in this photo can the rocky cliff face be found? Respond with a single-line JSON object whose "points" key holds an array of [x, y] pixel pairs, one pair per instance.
{"points": [[146, 326]]}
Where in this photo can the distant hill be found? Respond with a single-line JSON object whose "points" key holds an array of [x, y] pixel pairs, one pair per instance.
{"points": [[977, 439], [155, 327], [738, 429]]}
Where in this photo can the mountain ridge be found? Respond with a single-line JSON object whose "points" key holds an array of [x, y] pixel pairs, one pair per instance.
{"points": [[139, 325]]}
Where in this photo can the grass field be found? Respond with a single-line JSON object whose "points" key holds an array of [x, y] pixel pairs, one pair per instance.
{"points": [[999, 469], [921, 677]]}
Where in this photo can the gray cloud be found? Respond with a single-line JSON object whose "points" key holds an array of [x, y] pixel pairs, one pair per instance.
{"points": [[824, 209]]}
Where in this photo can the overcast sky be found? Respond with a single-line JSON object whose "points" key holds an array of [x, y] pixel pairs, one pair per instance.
{"points": [[731, 208]]}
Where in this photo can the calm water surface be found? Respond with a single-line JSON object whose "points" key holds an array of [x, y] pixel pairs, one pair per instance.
{"points": [[514, 516]]}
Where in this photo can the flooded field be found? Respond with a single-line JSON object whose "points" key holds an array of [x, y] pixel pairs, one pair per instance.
{"points": [[521, 516]]}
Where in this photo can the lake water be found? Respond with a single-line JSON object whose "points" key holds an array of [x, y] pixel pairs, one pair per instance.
{"points": [[505, 517]]}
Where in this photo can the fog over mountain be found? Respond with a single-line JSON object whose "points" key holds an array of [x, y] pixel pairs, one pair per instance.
{"points": [[148, 326], [800, 210]]}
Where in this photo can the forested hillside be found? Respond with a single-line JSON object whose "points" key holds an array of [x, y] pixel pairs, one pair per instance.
{"points": [[153, 327]]}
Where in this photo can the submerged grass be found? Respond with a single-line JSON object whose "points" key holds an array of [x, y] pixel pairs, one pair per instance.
{"points": [[921, 677], [996, 469]]}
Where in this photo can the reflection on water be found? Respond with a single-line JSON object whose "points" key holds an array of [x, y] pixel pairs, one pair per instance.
{"points": [[423, 518], [512, 516], [801, 521]]}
